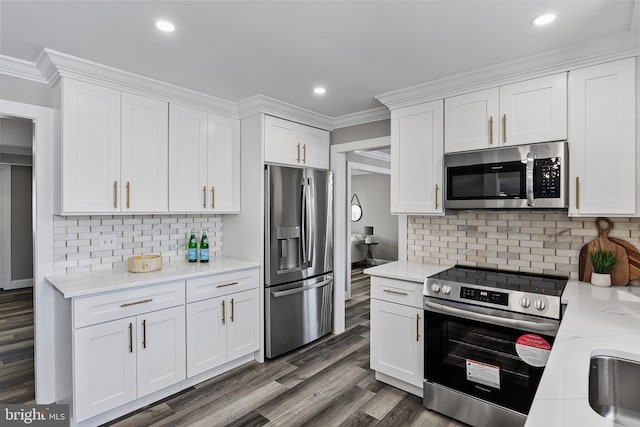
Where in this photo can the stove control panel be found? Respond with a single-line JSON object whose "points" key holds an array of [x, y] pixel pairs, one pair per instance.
{"points": [[482, 295]]}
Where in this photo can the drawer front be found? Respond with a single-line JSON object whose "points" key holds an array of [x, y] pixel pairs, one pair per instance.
{"points": [[116, 305], [398, 291], [221, 284]]}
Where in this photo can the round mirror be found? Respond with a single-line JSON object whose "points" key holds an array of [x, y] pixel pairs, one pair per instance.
{"points": [[356, 212]]}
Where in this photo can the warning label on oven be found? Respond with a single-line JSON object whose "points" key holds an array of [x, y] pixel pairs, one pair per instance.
{"points": [[533, 349], [483, 373]]}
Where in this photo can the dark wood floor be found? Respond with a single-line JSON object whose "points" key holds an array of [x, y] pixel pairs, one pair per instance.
{"points": [[327, 383], [16, 346]]}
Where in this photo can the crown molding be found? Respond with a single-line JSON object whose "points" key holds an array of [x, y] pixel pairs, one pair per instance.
{"points": [[361, 117], [259, 103], [20, 68], [15, 150], [53, 65], [618, 46]]}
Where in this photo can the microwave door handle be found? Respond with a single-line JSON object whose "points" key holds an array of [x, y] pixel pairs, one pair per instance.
{"points": [[529, 180], [548, 328]]}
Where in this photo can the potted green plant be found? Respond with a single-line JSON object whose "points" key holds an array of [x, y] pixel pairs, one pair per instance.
{"points": [[603, 262]]}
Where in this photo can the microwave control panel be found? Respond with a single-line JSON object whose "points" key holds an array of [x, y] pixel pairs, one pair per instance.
{"points": [[546, 178], [492, 297]]}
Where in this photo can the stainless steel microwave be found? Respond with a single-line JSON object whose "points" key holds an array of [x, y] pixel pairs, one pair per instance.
{"points": [[520, 176]]}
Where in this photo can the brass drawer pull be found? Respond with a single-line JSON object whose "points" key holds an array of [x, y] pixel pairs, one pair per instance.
{"points": [[232, 309], [144, 334], [227, 284], [213, 198], [298, 152], [504, 129], [491, 130], [223, 314], [395, 292], [304, 150], [128, 194], [127, 304], [437, 190], [130, 337], [577, 192], [204, 196], [115, 194]]}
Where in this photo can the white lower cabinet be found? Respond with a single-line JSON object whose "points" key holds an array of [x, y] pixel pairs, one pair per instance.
{"points": [[221, 329]]}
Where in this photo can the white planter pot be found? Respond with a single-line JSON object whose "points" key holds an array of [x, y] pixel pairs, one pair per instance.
{"points": [[602, 280]]}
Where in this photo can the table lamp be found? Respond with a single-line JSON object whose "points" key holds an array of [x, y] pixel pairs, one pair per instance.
{"points": [[368, 232]]}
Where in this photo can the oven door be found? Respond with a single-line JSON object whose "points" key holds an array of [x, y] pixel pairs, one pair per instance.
{"points": [[490, 354]]}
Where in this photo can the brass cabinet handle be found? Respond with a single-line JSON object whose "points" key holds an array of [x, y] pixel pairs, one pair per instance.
{"points": [[227, 284], [298, 152], [128, 194], [304, 151], [437, 189], [417, 327], [504, 129], [130, 337], [577, 192], [490, 130], [213, 198], [394, 292], [204, 196], [127, 304], [115, 194], [232, 309], [223, 314], [144, 334]]}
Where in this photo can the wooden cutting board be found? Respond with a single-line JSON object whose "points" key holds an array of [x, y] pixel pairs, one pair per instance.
{"points": [[634, 257], [620, 273]]}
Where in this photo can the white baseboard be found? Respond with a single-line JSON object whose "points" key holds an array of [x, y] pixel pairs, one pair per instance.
{"points": [[18, 284]]}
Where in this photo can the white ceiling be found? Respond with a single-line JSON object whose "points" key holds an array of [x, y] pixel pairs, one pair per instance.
{"points": [[357, 49]]}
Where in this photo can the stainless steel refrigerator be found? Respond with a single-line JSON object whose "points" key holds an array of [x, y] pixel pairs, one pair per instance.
{"points": [[298, 257]]}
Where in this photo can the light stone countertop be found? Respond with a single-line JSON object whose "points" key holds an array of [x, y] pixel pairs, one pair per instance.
{"points": [[597, 321], [95, 282]]}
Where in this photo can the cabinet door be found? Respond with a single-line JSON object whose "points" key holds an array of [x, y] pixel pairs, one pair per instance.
{"points": [[282, 141], [416, 158], [206, 335], [471, 121], [145, 155], [534, 110], [90, 148], [104, 358], [187, 159], [242, 323], [315, 147], [223, 164], [161, 358], [602, 139], [397, 341]]}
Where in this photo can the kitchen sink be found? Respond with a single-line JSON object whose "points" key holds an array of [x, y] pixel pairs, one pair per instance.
{"points": [[614, 389]]}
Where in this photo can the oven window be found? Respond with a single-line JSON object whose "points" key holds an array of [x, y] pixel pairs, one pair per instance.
{"points": [[490, 181], [453, 345]]}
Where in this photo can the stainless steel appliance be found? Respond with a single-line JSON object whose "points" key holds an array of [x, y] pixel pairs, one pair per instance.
{"points": [[488, 334], [520, 176], [298, 257]]}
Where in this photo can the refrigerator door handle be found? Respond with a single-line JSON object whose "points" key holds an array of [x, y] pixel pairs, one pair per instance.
{"points": [[301, 289], [311, 219], [303, 223]]}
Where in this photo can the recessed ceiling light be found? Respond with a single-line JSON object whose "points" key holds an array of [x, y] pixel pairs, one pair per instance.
{"points": [[545, 19], [319, 91], [165, 26]]}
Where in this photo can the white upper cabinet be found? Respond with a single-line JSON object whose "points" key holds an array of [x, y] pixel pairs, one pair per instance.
{"points": [[204, 162], [417, 142], [294, 144], [188, 129], [223, 167], [90, 148], [534, 110], [471, 121], [602, 139], [144, 158]]}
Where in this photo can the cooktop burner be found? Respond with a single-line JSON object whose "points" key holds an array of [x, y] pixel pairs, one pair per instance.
{"points": [[500, 279]]}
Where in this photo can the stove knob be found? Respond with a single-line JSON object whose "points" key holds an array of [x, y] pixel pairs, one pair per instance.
{"points": [[435, 287], [524, 302], [539, 304], [446, 289]]}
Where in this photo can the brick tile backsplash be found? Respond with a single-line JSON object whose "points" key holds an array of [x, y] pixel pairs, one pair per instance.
{"points": [[76, 245], [536, 242]]}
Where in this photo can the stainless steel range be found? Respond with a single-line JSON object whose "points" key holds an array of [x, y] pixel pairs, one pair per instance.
{"points": [[488, 335]]}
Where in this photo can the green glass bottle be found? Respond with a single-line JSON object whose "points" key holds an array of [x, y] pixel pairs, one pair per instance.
{"points": [[204, 247], [192, 247]]}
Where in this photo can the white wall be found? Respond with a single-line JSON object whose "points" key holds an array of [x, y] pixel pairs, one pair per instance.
{"points": [[373, 191]]}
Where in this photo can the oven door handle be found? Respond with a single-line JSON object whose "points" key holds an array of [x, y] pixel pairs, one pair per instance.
{"points": [[529, 180], [487, 318]]}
